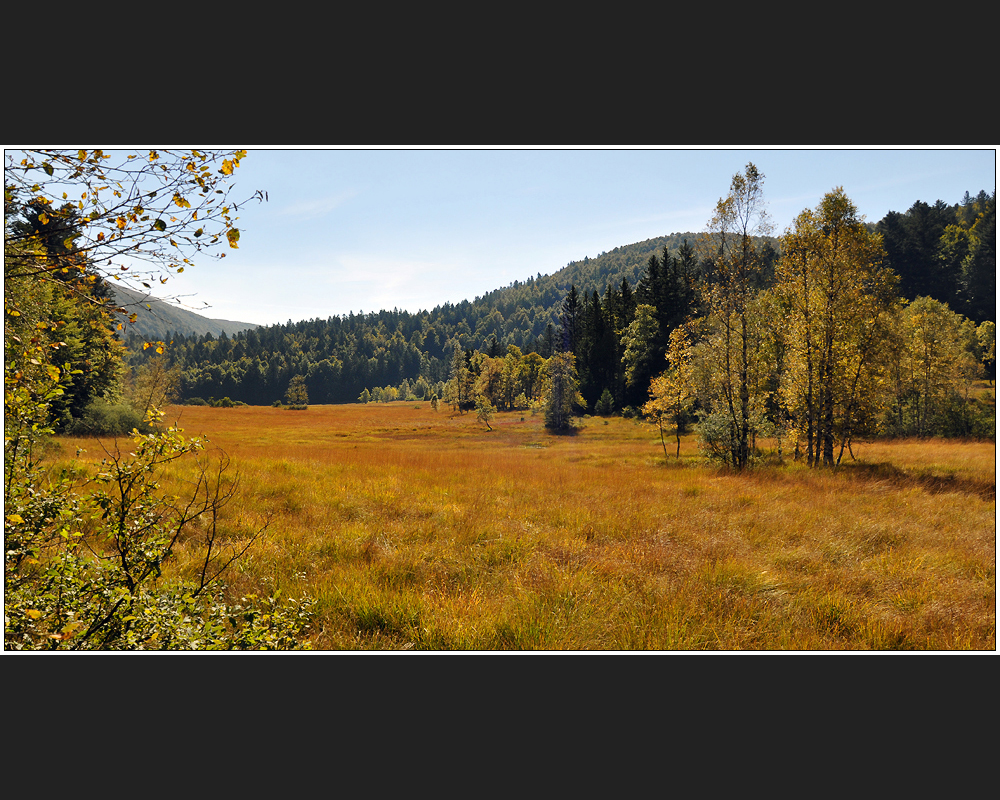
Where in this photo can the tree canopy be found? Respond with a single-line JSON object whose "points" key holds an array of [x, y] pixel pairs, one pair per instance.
{"points": [[84, 557]]}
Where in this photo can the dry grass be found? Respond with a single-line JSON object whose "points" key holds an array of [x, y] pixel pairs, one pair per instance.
{"points": [[418, 529]]}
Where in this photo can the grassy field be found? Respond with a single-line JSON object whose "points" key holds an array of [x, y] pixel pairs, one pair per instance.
{"points": [[416, 529]]}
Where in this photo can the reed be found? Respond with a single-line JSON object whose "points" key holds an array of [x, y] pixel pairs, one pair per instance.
{"points": [[417, 529]]}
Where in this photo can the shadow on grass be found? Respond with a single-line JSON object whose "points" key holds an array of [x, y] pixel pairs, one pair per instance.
{"points": [[878, 473], [570, 431], [884, 472]]}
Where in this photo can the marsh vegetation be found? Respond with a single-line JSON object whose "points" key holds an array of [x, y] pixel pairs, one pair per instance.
{"points": [[421, 529]]}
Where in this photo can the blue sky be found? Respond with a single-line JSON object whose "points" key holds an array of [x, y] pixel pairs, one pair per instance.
{"points": [[366, 229]]}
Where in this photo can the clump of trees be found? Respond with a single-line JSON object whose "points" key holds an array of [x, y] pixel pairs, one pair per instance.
{"points": [[803, 338], [814, 346]]}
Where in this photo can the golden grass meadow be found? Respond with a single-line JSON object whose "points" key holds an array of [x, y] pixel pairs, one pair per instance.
{"points": [[416, 529]]}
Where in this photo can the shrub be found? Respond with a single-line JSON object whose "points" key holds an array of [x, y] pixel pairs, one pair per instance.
{"points": [[974, 418], [85, 571], [101, 418], [716, 438], [606, 404]]}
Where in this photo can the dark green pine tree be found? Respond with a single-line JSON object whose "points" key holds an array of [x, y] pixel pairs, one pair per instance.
{"points": [[570, 320], [588, 367], [547, 342], [979, 271], [911, 244], [626, 312]]}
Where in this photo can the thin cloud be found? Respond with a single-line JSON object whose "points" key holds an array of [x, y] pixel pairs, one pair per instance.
{"points": [[317, 208]]}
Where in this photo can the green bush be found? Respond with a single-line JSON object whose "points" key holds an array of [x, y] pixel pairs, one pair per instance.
{"points": [[960, 418], [716, 438], [606, 405], [102, 418], [83, 571]]}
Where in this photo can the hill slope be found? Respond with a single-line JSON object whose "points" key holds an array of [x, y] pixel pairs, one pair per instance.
{"points": [[341, 356], [158, 320]]}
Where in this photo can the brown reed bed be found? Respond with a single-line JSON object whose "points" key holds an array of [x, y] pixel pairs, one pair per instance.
{"points": [[417, 529]]}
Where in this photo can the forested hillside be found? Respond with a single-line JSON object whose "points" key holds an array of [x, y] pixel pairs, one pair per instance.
{"points": [[942, 251], [343, 356]]}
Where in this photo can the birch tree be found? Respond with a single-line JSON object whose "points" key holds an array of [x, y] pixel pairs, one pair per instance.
{"points": [[842, 301], [672, 392], [727, 295], [936, 365]]}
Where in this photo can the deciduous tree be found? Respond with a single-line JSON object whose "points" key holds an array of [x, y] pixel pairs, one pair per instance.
{"points": [[297, 396], [639, 343], [841, 299], [672, 392], [135, 216], [736, 266]]}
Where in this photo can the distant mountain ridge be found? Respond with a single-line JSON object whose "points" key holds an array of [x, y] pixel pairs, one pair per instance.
{"points": [[158, 320]]}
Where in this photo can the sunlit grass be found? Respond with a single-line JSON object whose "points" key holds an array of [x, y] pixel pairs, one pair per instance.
{"points": [[419, 529]]}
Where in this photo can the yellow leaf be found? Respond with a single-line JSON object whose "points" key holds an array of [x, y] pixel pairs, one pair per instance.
{"points": [[227, 167], [33, 613], [15, 519]]}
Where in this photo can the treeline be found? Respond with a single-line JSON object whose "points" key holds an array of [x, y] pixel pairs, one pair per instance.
{"points": [[947, 252], [342, 356], [615, 314]]}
